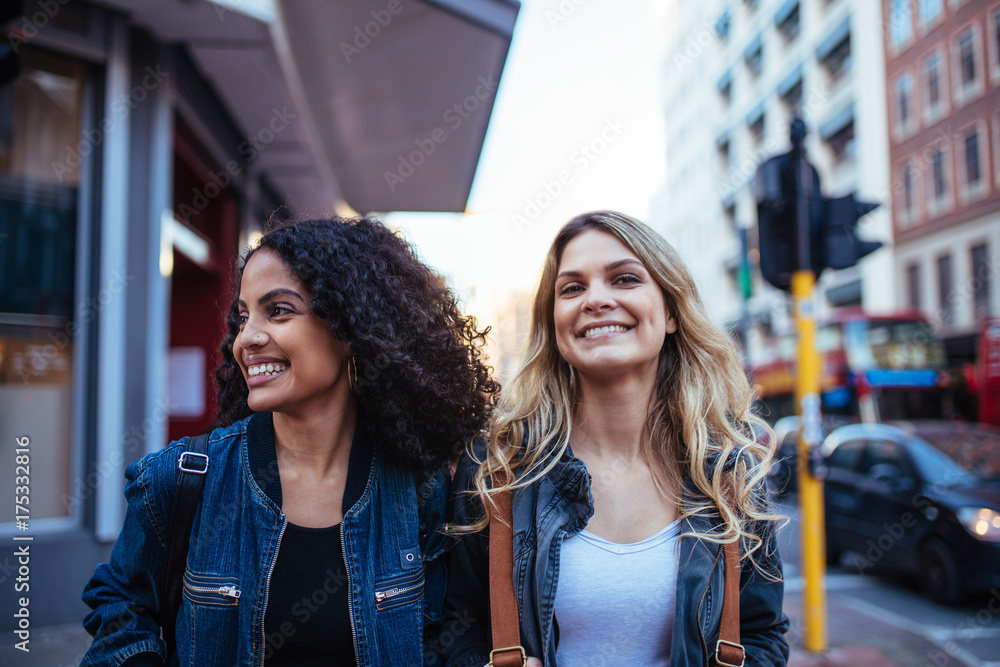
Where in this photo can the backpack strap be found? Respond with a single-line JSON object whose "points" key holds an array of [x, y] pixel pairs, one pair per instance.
{"points": [[728, 650], [192, 465], [504, 618]]}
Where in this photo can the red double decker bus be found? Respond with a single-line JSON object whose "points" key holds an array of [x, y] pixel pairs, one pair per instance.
{"points": [[894, 363]]}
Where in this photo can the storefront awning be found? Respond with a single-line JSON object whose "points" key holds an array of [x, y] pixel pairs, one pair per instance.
{"points": [[383, 106]]}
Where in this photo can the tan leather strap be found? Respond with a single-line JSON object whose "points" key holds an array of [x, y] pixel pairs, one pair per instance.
{"points": [[728, 650], [507, 650]]}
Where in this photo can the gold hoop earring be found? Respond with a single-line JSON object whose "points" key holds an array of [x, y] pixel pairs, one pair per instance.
{"points": [[352, 373]]}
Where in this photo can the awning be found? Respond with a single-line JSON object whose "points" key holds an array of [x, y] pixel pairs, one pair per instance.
{"points": [[373, 87], [399, 103]]}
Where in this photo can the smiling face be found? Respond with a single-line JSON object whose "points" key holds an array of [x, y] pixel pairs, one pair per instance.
{"points": [[610, 315], [290, 361]]}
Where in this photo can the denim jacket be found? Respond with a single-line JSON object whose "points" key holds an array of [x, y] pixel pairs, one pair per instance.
{"points": [[390, 539], [560, 505]]}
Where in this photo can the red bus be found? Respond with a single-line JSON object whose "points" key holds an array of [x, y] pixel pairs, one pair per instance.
{"points": [[895, 359]]}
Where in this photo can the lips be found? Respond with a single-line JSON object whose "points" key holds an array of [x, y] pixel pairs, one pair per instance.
{"points": [[261, 369]]}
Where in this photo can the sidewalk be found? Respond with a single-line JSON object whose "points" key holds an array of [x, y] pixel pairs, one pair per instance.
{"points": [[858, 640]]}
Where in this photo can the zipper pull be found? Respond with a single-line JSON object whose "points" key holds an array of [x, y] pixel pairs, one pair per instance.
{"points": [[230, 591]]}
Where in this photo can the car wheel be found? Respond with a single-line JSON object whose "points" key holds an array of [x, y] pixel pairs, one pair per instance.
{"points": [[939, 573]]}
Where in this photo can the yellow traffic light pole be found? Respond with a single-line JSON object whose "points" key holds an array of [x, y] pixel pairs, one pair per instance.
{"points": [[813, 554]]}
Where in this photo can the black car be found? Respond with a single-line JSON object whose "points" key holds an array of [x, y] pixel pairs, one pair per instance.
{"points": [[783, 476], [904, 505]]}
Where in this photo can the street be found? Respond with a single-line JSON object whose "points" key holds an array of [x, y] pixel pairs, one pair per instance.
{"points": [[866, 608]]}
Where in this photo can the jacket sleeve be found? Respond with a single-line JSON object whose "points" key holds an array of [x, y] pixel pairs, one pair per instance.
{"points": [[465, 637], [763, 624], [124, 593]]}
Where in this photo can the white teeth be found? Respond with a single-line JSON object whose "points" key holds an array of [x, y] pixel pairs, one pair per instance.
{"points": [[265, 369], [603, 330]]}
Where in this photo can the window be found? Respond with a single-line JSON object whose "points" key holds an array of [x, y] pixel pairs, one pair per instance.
{"points": [[790, 89], [757, 129], [932, 72], [838, 133], [904, 105], [725, 88], [966, 59], [908, 194], [913, 285], [834, 52], [722, 25], [945, 300], [995, 43], [753, 56], [722, 144], [966, 62], [900, 22], [930, 11], [787, 19], [41, 125], [938, 186], [847, 455], [981, 280], [974, 181]]}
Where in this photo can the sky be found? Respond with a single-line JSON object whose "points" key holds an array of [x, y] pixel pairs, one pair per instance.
{"points": [[576, 126]]}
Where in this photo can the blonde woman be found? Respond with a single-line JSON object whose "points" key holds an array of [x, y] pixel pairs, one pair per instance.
{"points": [[628, 437]]}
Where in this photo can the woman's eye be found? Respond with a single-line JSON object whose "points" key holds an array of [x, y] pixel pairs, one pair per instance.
{"points": [[243, 317], [277, 309], [627, 278], [570, 289]]}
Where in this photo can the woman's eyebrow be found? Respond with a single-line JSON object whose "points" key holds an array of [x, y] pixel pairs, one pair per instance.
{"points": [[607, 268], [270, 295]]}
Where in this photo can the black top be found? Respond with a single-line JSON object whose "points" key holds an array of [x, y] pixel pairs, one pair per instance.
{"points": [[307, 619]]}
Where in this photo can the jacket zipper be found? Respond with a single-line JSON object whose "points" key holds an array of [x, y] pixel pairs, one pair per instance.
{"points": [[382, 596], [350, 593], [229, 591], [697, 618], [267, 589]]}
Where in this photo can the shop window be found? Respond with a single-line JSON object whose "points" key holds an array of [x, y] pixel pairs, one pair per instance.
{"points": [[41, 154]]}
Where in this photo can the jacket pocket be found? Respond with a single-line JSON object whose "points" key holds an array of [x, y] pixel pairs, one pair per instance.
{"points": [[397, 591], [211, 589]]}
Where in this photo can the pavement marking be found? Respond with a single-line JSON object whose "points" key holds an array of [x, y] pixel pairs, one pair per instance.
{"points": [[935, 634]]}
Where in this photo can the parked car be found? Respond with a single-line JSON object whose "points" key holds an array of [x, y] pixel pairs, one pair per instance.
{"points": [[783, 476], [903, 504]]}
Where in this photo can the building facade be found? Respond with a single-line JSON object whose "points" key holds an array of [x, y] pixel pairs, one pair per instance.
{"points": [[142, 147], [943, 98], [735, 73]]}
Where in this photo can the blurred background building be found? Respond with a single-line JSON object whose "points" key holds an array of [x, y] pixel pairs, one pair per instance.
{"points": [[142, 145], [943, 75]]}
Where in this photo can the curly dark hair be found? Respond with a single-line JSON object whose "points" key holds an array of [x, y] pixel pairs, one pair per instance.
{"points": [[422, 386]]}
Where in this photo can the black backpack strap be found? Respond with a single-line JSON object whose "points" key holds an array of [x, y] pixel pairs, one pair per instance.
{"points": [[192, 466]]}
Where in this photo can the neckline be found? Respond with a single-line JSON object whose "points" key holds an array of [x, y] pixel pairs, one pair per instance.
{"points": [[654, 540]]}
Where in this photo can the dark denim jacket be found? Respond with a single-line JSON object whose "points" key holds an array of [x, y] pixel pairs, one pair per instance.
{"points": [[390, 542], [559, 505]]}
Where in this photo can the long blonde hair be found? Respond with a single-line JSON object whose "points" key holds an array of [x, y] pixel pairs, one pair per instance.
{"points": [[699, 420]]}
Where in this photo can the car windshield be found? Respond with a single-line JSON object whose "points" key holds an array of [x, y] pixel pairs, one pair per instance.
{"points": [[936, 467], [976, 449]]}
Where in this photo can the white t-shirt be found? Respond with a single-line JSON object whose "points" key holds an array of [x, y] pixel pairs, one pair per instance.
{"points": [[615, 602]]}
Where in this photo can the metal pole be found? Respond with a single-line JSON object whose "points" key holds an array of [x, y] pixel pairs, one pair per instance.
{"points": [[808, 405]]}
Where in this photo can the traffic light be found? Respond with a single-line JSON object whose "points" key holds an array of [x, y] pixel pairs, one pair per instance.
{"points": [[777, 218], [10, 64], [830, 224], [838, 245]]}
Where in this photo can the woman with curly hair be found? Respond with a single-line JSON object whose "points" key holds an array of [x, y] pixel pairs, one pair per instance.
{"points": [[349, 382], [626, 440]]}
